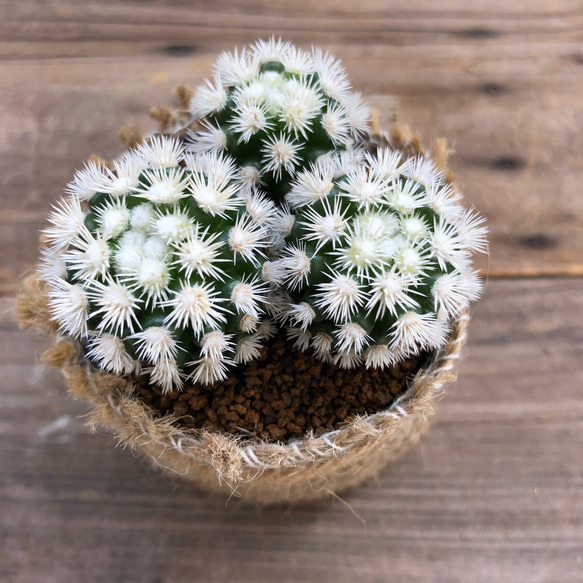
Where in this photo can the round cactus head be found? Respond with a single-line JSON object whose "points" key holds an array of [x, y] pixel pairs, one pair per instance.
{"points": [[156, 263], [377, 264], [275, 108]]}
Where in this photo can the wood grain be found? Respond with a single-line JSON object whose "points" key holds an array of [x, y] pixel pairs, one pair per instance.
{"points": [[503, 82], [493, 494]]}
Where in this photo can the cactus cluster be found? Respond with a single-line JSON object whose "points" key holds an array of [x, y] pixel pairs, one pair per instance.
{"points": [[157, 264], [181, 257], [275, 108], [377, 264]]}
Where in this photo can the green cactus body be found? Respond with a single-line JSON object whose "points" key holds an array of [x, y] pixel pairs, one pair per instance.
{"points": [[275, 108], [377, 264], [158, 263], [178, 259]]}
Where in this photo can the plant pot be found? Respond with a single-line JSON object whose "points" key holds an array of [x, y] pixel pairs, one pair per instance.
{"points": [[261, 471], [258, 471]]}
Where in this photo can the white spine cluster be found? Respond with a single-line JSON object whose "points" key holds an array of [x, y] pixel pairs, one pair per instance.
{"points": [[159, 259], [284, 107], [380, 263]]}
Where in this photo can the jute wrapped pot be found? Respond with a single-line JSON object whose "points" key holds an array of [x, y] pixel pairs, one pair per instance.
{"points": [[258, 471]]}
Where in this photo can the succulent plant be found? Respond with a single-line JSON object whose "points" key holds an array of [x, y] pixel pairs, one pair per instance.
{"points": [[156, 264], [377, 264], [177, 258], [275, 108]]}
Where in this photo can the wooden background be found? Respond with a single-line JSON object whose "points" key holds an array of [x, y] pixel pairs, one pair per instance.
{"points": [[495, 492]]}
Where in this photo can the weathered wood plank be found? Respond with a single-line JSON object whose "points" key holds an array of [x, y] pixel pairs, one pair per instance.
{"points": [[73, 20], [494, 492]]}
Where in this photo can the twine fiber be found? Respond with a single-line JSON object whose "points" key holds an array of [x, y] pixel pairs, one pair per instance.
{"points": [[258, 471]]}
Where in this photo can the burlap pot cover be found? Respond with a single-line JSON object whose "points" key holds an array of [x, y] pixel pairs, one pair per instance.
{"points": [[258, 471]]}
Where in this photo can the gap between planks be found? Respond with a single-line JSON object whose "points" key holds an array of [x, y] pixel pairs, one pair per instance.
{"points": [[574, 272]]}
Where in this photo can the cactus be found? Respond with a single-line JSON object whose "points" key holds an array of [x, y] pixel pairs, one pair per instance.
{"points": [[275, 108], [156, 264], [377, 264], [177, 259]]}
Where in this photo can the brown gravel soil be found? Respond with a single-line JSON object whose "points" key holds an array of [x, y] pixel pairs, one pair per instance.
{"points": [[282, 395]]}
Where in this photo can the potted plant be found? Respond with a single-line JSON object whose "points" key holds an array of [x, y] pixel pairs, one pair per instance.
{"points": [[264, 297]]}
